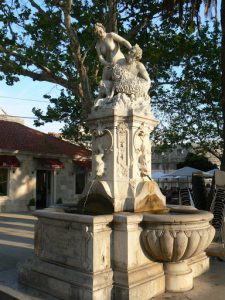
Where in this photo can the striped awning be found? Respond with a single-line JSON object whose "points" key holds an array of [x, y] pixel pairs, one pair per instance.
{"points": [[50, 163], [9, 161], [84, 164]]}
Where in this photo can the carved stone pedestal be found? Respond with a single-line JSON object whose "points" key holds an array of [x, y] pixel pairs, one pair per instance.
{"points": [[72, 256], [121, 160]]}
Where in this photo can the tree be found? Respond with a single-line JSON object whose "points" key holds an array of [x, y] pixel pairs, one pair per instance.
{"points": [[192, 107], [171, 7], [197, 161], [53, 41]]}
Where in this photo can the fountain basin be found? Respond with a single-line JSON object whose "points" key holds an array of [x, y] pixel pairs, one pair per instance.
{"points": [[175, 237], [178, 235]]}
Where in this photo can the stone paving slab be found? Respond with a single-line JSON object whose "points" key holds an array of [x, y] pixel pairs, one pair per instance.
{"points": [[16, 245], [209, 286]]}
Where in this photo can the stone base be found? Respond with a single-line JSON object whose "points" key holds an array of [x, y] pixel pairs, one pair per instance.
{"points": [[199, 264], [100, 257], [85, 258], [65, 283], [142, 283], [179, 277]]}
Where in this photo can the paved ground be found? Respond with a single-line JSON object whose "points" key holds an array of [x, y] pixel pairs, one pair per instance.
{"points": [[16, 245], [209, 286]]}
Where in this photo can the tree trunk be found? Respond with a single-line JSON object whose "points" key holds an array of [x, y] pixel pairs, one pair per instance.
{"points": [[223, 79], [111, 25]]}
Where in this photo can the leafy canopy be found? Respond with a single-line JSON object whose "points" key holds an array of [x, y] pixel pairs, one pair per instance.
{"points": [[54, 41], [198, 162]]}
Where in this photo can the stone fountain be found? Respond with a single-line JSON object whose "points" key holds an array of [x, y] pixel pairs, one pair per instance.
{"points": [[125, 244]]}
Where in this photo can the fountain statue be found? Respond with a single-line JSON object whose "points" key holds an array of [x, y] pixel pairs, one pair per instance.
{"points": [[121, 122], [121, 241]]}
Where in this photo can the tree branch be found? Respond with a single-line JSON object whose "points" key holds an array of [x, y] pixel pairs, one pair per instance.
{"points": [[137, 28], [156, 84], [112, 16], [86, 52], [35, 5], [46, 75], [143, 23], [75, 49], [9, 24], [210, 150]]}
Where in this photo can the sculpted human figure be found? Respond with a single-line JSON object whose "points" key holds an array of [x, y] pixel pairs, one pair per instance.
{"points": [[131, 77], [109, 54], [100, 165]]}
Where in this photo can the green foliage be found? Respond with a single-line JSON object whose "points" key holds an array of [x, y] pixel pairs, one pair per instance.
{"points": [[192, 108], [182, 60], [197, 161]]}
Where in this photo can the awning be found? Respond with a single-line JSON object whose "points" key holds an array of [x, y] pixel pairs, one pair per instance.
{"points": [[50, 163], [84, 164], [9, 161]]}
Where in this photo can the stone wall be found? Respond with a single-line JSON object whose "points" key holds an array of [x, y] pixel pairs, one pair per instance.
{"points": [[166, 162], [65, 182], [22, 183]]}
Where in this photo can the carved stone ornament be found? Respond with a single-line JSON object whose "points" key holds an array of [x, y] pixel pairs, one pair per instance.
{"points": [[101, 131], [140, 134], [99, 162], [144, 161], [128, 83], [122, 150], [142, 148], [101, 145]]}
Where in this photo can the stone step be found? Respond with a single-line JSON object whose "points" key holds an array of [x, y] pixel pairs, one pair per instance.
{"points": [[216, 249]]}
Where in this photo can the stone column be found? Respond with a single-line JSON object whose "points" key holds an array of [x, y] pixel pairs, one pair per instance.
{"points": [[135, 276]]}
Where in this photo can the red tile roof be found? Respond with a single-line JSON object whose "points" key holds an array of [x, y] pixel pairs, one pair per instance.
{"points": [[15, 136]]}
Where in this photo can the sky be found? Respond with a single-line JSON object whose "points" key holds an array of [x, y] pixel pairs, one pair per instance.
{"points": [[28, 92]]}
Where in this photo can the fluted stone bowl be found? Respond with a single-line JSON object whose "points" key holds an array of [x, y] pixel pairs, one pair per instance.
{"points": [[178, 235]]}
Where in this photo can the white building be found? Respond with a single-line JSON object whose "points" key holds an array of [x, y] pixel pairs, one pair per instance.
{"points": [[37, 165]]}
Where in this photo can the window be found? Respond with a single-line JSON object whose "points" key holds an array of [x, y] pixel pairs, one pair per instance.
{"points": [[80, 180], [3, 182]]}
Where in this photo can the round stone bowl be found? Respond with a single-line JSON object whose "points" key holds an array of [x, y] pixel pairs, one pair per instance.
{"points": [[173, 238]]}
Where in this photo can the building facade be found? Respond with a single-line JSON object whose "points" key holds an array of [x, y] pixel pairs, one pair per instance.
{"points": [[38, 166], [165, 163]]}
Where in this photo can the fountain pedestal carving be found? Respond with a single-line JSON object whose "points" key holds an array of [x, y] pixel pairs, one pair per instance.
{"points": [[121, 158]]}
